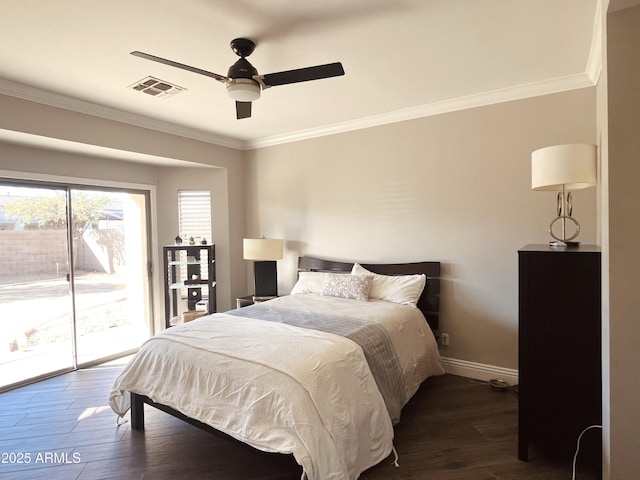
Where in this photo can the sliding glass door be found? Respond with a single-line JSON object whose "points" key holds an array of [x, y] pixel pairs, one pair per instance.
{"points": [[109, 272], [74, 286], [36, 321]]}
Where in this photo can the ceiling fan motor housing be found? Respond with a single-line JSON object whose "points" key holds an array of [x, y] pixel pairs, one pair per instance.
{"points": [[241, 85], [242, 69]]}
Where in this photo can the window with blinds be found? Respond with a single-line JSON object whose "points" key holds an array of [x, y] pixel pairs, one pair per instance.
{"points": [[194, 212]]}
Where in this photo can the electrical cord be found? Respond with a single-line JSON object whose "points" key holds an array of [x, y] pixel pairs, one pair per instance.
{"points": [[575, 457]]}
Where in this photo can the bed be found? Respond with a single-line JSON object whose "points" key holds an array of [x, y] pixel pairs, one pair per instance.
{"points": [[321, 374]]}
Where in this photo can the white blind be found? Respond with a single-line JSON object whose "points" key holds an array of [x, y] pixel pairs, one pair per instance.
{"points": [[194, 211]]}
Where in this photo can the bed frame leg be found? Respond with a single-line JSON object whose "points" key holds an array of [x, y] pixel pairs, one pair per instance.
{"points": [[137, 412]]}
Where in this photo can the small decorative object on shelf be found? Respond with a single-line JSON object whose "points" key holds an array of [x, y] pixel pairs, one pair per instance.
{"points": [[178, 240], [192, 241], [202, 306], [204, 241]]}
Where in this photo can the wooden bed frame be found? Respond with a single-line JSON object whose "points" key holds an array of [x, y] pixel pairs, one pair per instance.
{"points": [[428, 304]]}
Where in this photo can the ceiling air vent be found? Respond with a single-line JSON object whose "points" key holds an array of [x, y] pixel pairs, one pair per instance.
{"points": [[156, 87]]}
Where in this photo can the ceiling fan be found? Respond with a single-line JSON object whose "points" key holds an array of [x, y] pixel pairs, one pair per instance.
{"points": [[243, 82]]}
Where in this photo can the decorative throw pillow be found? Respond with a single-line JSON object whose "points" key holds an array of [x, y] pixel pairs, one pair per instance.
{"points": [[403, 289], [309, 282], [347, 286]]}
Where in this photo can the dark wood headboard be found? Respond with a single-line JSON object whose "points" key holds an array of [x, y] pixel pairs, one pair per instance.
{"points": [[429, 302]]}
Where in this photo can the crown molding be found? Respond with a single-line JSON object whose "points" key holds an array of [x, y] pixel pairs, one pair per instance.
{"points": [[517, 92], [594, 61]]}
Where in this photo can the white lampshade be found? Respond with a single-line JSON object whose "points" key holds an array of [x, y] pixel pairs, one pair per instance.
{"points": [[572, 166], [262, 248], [243, 89]]}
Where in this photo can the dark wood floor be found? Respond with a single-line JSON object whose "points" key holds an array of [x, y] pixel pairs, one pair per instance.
{"points": [[452, 429]]}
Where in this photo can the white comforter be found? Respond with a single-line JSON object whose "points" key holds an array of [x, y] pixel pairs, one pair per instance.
{"points": [[282, 388]]}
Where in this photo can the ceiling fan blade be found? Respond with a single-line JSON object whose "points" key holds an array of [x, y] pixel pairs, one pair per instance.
{"points": [[171, 63], [243, 110], [303, 74]]}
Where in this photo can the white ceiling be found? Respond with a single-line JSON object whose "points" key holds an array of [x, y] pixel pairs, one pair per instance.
{"points": [[403, 59]]}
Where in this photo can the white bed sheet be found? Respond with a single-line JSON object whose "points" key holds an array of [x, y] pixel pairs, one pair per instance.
{"points": [[282, 388]]}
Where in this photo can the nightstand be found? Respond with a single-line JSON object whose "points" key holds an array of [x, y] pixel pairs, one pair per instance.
{"points": [[250, 300]]}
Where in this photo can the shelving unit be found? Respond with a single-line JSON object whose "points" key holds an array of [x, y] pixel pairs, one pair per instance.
{"points": [[189, 277]]}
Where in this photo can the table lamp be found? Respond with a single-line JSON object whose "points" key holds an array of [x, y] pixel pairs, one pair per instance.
{"points": [[264, 252], [562, 168]]}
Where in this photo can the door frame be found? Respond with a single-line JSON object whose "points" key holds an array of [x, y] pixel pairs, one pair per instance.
{"points": [[37, 180]]}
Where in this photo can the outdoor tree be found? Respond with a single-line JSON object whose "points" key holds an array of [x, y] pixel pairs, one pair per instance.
{"points": [[87, 209]]}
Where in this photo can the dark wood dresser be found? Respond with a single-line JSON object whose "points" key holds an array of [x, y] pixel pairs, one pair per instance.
{"points": [[559, 349]]}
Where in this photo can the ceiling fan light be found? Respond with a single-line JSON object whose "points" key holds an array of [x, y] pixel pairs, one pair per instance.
{"points": [[243, 89]]}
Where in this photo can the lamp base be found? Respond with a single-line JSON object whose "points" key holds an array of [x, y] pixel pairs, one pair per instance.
{"points": [[266, 278], [560, 243]]}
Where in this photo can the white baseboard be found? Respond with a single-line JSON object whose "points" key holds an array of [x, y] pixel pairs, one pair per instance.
{"points": [[479, 371]]}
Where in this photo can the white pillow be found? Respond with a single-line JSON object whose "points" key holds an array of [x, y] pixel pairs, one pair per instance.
{"points": [[309, 282], [347, 286], [403, 289]]}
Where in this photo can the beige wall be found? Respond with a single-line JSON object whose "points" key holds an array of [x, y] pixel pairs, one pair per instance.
{"points": [[453, 187], [28, 162], [619, 116]]}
